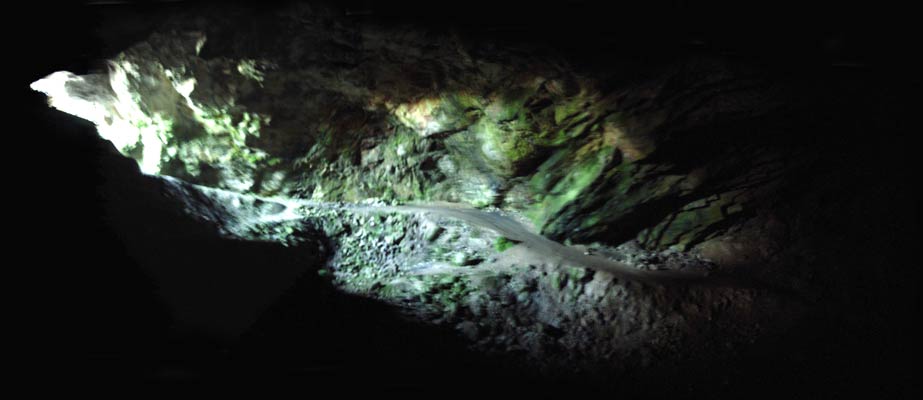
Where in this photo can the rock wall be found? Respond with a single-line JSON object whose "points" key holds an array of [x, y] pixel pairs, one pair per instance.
{"points": [[303, 103]]}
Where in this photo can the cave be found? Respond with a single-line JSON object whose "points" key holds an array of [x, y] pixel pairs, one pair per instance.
{"points": [[640, 199]]}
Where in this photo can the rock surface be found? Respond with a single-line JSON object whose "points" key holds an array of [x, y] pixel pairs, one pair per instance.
{"points": [[545, 314], [343, 111]]}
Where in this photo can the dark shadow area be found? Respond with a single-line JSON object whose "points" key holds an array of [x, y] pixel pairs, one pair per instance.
{"points": [[143, 293]]}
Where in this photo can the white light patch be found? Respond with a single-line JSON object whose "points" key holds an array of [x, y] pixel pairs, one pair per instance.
{"points": [[199, 44], [185, 89], [116, 113], [151, 131], [54, 86], [419, 116], [432, 127]]}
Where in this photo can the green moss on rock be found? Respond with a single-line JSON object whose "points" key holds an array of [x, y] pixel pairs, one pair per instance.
{"points": [[694, 222], [568, 181], [503, 244]]}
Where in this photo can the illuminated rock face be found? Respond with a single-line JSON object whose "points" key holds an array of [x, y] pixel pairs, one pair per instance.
{"points": [[145, 108], [320, 108]]}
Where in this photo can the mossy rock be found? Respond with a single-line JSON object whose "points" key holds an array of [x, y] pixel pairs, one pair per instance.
{"points": [[503, 244]]}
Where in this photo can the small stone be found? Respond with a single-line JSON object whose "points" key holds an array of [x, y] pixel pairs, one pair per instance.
{"points": [[469, 330], [460, 259], [522, 297], [431, 231], [492, 284], [476, 306]]}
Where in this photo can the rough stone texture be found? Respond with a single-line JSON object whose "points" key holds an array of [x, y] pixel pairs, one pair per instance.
{"points": [[544, 316], [344, 111], [504, 301]]}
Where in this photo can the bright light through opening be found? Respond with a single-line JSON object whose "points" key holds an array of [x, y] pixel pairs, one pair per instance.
{"points": [[118, 118]]}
